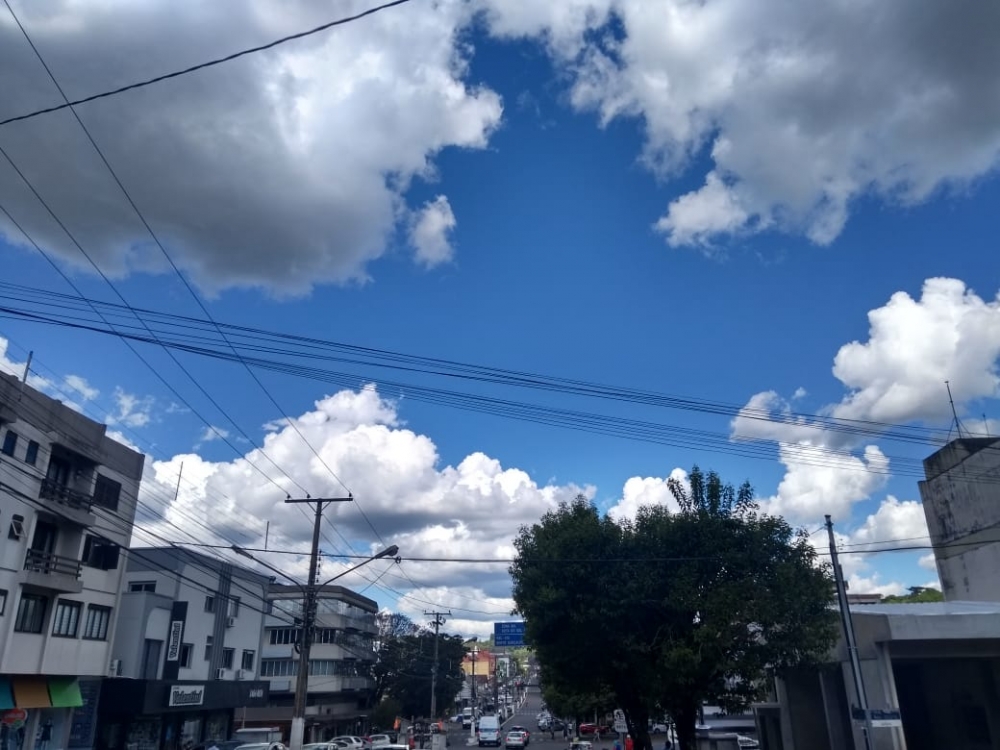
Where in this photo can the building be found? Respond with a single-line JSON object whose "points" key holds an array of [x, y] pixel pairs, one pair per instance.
{"points": [[68, 498], [186, 651], [932, 669], [340, 661], [961, 498]]}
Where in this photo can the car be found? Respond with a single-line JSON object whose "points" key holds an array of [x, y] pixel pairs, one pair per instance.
{"points": [[747, 743], [322, 746], [657, 727], [379, 740], [589, 728], [261, 746], [219, 745], [527, 734], [515, 739], [353, 743]]}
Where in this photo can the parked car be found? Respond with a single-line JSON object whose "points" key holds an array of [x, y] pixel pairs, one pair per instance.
{"points": [[589, 728], [261, 746], [378, 740], [353, 743], [219, 745], [515, 739], [747, 743]]}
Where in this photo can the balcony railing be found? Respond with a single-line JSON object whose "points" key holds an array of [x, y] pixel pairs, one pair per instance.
{"points": [[49, 564], [63, 495]]}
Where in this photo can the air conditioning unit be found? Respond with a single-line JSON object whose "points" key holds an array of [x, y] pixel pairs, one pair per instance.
{"points": [[115, 668], [220, 674], [242, 674], [230, 622]]}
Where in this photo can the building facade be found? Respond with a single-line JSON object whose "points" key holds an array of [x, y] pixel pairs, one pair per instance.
{"points": [[961, 498], [68, 497], [340, 661], [186, 652]]}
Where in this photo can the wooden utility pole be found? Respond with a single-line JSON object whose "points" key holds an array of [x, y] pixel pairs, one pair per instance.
{"points": [[437, 622]]}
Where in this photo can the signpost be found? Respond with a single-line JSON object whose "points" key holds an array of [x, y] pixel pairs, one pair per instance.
{"points": [[506, 634], [880, 717], [620, 726]]}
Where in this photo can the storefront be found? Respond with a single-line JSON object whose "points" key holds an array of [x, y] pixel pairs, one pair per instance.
{"points": [[36, 712], [172, 715]]}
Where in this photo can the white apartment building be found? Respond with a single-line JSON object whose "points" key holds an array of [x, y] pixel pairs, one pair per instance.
{"points": [[340, 661], [67, 503], [186, 650]]}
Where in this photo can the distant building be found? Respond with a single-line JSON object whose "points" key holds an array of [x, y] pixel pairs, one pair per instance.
{"points": [[67, 503], [961, 498], [340, 661], [186, 651], [864, 598]]}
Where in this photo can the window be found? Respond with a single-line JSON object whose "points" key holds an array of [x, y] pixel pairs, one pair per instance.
{"points": [[278, 667], [149, 586], [107, 492], [9, 443], [16, 528], [31, 613], [31, 455], [185, 658], [66, 620], [3, 601], [209, 603], [284, 636], [100, 553], [234, 606], [227, 658], [247, 661], [96, 627], [208, 648]]}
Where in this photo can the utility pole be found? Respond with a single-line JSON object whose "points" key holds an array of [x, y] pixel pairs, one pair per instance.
{"points": [[308, 622], [852, 646], [438, 622]]}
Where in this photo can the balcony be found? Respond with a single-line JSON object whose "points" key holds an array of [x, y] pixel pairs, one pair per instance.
{"points": [[73, 505], [53, 572]]}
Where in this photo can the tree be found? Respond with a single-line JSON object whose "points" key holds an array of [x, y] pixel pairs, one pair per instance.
{"points": [[917, 595], [672, 610], [391, 627], [405, 666]]}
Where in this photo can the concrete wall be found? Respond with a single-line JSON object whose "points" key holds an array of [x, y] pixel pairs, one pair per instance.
{"points": [[961, 498]]}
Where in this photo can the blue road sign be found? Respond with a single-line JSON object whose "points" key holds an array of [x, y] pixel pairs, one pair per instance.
{"points": [[508, 633]]}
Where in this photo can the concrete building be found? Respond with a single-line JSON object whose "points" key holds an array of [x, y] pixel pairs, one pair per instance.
{"points": [[340, 661], [937, 664], [186, 651], [961, 498], [67, 504]]}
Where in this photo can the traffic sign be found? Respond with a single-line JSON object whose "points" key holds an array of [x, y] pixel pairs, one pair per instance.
{"points": [[508, 633], [620, 725]]}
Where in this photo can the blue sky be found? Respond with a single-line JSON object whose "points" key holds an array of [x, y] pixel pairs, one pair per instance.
{"points": [[547, 258]]}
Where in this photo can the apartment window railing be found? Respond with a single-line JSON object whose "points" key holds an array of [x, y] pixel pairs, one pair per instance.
{"points": [[49, 564], [63, 495]]}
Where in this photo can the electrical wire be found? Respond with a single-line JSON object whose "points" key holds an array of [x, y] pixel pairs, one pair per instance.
{"points": [[206, 64]]}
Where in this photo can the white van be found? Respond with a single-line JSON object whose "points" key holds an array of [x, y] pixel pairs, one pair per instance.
{"points": [[489, 731], [467, 717]]}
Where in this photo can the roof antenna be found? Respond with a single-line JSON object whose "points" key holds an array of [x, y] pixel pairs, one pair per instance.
{"points": [[986, 426], [957, 423]]}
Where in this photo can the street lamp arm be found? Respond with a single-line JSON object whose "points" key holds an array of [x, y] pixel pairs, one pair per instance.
{"points": [[387, 552], [243, 553]]}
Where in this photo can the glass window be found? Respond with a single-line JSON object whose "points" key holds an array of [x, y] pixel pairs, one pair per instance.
{"points": [[107, 492], [247, 661], [208, 648], [149, 586], [3, 601], [9, 443], [185, 657], [31, 455], [227, 658], [209, 603], [66, 619], [100, 553], [31, 613], [16, 531], [234, 606], [96, 627]]}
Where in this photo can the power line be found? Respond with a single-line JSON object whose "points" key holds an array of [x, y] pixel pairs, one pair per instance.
{"points": [[207, 63]]}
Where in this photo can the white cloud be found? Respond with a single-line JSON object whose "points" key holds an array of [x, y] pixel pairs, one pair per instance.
{"points": [[131, 410], [873, 584], [896, 523], [304, 153], [430, 232], [81, 386], [913, 347], [210, 433], [639, 491], [927, 562], [804, 108]]}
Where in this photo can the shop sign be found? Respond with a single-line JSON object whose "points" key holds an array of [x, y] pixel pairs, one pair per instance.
{"points": [[186, 695], [14, 717], [174, 642]]}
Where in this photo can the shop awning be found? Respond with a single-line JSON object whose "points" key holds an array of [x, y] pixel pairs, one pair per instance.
{"points": [[65, 692], [31, 692], [6, 695]]}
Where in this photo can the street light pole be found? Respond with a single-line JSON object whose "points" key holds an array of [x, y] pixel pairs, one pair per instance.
{"points": [[438, 622], [309, 596], [475, 702]]}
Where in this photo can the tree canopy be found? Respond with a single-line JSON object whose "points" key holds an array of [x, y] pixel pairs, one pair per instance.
{"points": [[672, 609], [918, 594]]}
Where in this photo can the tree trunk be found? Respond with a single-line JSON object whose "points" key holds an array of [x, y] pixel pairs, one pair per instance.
{"points": [[637, 719], [685, 718]]}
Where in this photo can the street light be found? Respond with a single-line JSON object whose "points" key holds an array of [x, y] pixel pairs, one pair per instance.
{"points": [[475, 702], [309, 592]]}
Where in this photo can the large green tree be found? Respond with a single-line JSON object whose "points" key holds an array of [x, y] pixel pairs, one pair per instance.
{"points": [[672, 609], [917, 595]]}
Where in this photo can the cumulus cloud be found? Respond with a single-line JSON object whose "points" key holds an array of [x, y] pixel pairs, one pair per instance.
{"points": [[279, 170], [131, 410], [82, 387], [895, 523], [430, 233], [927, 562], [801, 108], [639, 491]]}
